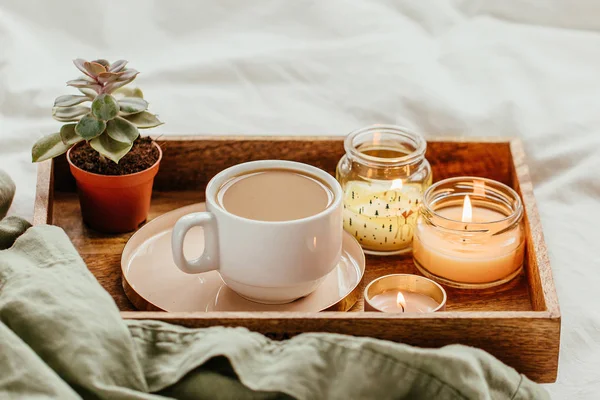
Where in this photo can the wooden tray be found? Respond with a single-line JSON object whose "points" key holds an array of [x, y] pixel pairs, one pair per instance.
{"points": [[519, 323]]}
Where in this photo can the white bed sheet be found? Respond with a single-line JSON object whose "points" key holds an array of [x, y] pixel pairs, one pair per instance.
{"points": [[472, 68]]}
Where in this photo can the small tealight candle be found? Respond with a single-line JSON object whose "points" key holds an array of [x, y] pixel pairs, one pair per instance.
{"points": [[404, 293], [469, 233]]}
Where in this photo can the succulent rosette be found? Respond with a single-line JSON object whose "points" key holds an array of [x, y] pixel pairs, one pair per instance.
{"points": [[110, 124]]}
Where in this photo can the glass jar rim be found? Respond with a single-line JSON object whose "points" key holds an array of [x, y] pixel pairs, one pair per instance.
{"points": [[416, 140], [498, 188]]}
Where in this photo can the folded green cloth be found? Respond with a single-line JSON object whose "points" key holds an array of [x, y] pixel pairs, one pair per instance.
{"points": [[11, 227], [61, 337]]}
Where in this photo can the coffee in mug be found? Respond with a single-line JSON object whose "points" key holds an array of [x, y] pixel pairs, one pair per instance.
{"points": [[273, 230], [274, 195]]}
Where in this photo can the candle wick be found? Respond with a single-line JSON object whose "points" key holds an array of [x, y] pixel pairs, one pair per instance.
{"points": [[402, 307]]}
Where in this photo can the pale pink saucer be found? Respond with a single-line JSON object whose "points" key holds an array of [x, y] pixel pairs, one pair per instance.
{"points": [[152, 281]]}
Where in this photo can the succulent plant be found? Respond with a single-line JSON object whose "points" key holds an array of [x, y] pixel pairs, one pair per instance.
{"points": [[110, 124]]}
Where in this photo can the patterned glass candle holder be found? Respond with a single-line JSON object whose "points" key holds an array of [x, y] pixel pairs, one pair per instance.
{"points": [[470, 233], [384, 175]]}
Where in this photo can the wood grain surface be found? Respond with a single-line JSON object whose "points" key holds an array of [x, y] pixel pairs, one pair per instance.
{"points": [[519, 323]]}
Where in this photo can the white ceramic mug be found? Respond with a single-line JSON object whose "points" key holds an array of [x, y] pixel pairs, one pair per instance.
{"points": [[271, 262]]}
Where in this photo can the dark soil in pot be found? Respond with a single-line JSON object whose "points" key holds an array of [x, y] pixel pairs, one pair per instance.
{"points": [[142, 156]]}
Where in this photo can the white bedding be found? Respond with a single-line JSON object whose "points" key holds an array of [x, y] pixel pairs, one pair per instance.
{"points": [[473, 68]]}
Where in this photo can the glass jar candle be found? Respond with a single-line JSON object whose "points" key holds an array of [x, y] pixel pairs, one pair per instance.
{"points": [[470, 233], [384, 175]]}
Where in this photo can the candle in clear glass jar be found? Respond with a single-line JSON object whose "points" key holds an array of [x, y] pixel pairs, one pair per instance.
{"points": [[381, 215], [383, 174], [477, 244]]}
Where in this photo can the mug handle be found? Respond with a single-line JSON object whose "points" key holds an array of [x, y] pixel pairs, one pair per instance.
{"points": [[209, 260]]}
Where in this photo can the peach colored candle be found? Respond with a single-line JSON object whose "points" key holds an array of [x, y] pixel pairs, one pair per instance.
{"points": [[457, 258]]}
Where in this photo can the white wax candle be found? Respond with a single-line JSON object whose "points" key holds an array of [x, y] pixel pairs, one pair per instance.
{"points": [[491, 259], [413, 302], [380, 215]]}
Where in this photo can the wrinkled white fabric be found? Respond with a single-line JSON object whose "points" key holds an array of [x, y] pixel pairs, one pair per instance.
{"points": [[474, 68]]}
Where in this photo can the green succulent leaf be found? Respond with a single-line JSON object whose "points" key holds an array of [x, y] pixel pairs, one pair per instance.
{"points": [[122, 130], [110, 87], [82, 83], [128, 92], [48, 147], [88, 78], [89, 127], [67, 114], [110, 148], [128, 74], [107, 77], [75, 119], [90, 93], [69, 100], [105, 107], [94, 68], [117, 66], [144, 120], [132, 105], [102, 62], [79, 83], [68, 134], [79, 63]]}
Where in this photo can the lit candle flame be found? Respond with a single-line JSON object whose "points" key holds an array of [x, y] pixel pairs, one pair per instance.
{"points": [[467, 214], [401, 301], [396, 184]]}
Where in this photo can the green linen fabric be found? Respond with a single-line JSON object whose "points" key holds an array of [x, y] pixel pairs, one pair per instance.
{"points": [[7, 192], [61, 337]]}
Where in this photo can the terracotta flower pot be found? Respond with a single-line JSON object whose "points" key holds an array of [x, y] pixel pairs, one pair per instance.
{"points": [[115, 203]]}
